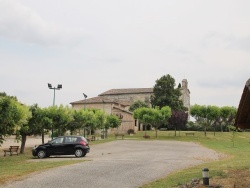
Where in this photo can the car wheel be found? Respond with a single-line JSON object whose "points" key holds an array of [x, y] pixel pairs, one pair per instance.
{"points": [[41, 154], [78, 153], [83, 154]]}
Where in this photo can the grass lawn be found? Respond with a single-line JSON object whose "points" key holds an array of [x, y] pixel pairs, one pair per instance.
{"points": [[232, 169]]}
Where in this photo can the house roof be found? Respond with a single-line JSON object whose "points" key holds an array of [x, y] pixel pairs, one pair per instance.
{"points": [[123, 110], [97, 100], [127, 91], [243, 114]]}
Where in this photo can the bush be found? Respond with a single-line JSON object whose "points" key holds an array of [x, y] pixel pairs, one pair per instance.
{"points": [[131, 131]]}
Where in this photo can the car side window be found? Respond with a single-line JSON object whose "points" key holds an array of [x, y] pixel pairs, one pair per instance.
{"points": [[74, 139], [57, 141], [68, 140]]}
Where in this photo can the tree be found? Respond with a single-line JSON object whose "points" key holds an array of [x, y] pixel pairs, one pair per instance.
{"points": [[228, 115], [101, 118], [137, 104], [205, 115], [142, 115], [12, 115], [61, 117], [178, 119], [112, 121], [165, 94], [152, 116], [159, 117], [79, 118]]}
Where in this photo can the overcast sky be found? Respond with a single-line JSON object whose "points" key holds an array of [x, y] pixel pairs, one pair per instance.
{"points": [[93, 46]]}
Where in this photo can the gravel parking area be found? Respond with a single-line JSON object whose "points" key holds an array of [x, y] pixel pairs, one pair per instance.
{"points": [[121, 163]]}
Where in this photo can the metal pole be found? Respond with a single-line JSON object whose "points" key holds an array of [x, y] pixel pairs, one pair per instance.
{"points": [[52, 135], [84, 130], [54, 96]]}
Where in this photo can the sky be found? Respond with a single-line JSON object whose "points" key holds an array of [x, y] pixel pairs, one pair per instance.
{"points": [[94, 46]]}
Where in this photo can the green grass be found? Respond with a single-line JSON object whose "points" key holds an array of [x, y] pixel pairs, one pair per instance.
{"points": [[236, 147]]}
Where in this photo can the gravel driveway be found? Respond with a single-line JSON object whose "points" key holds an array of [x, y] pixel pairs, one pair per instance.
{"points": [[120, 164]]}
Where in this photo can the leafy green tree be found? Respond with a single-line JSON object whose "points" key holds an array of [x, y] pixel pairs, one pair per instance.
{"points": [[89, 121], [141, 115], [61, 117], [159, 117], [137, 104], [101, 118], [228, 115], [152, 116], [38, 123], [12, 115], [112, 121], [165, 94], [205, 115], [79, 118]]}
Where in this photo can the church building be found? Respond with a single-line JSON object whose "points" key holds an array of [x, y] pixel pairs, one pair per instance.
{"points": [[117, 102]]}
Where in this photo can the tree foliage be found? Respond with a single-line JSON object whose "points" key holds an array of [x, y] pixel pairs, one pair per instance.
{"points": [[152, 116], [178, 119], [12, 115], [205, 115], [137, 104], [165, 94]]}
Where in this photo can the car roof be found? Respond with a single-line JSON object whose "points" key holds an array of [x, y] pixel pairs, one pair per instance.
{"points": [[69, 136]]}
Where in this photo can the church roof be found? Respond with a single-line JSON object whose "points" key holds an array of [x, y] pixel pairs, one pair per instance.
{"points": [[127, 91], [243, 114], [98, 100]]}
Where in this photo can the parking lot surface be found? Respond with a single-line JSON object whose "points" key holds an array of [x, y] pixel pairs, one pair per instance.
{"points": [[121, 163]]}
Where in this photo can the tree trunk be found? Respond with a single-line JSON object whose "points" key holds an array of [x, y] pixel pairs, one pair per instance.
{"points": [[175, 131], [205, 130], [24, 137], [43, 137], [156, 135]]}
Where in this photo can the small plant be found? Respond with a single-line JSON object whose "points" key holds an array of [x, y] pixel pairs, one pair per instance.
{"points": [[146, 136], [131, 131]]}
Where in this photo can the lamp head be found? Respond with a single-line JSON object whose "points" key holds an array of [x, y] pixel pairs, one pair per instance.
{"points": [[59, 86], [85, 96], [49, 85]]}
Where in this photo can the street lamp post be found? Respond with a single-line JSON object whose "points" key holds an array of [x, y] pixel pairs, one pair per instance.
{"points": [[59, 86], [85, 96], [103, 131]]}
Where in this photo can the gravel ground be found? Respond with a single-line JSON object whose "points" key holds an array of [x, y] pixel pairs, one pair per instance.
{"points": [[122, 163]]}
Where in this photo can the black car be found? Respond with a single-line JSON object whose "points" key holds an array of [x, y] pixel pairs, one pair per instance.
{"points": [[63, 145]]}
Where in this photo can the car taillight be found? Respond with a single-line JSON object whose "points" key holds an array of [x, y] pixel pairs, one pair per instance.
{"points": [[83, 143]]}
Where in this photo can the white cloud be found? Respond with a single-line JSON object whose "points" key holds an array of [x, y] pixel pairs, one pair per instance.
{"points": [[18, 22]]}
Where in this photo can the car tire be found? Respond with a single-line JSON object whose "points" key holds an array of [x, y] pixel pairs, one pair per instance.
{"points": [[79, 153], [41, 154]]}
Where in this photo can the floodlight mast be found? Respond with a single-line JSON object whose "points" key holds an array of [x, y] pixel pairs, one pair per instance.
{"points": [[59, 86]]}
